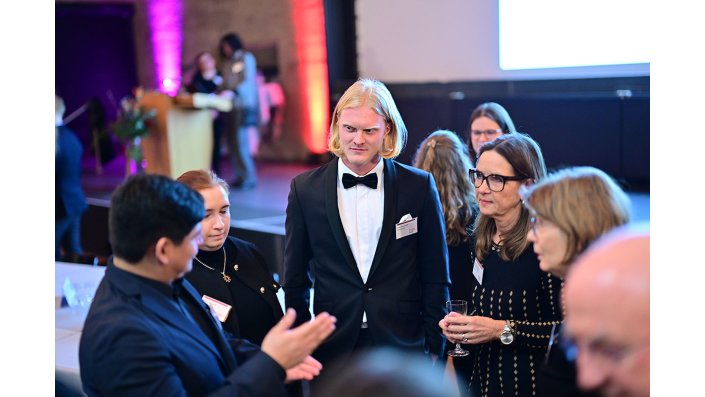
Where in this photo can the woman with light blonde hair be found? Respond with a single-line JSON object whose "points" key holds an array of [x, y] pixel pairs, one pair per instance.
{"points": [[569, 210], [577, 205]]}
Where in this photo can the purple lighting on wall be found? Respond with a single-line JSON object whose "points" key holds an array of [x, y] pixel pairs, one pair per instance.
{"points": [[165, 21]]}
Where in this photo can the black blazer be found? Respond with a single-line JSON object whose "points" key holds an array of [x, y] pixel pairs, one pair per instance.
{"points": [[252, 292], [407, 287], [68, 193], [136, 342]]}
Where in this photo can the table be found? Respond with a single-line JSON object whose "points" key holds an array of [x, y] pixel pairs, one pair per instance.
{"points": [[68, 321]]}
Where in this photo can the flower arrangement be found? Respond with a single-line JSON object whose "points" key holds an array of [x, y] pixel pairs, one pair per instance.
{"points": [[130, 127], [131, 121]]}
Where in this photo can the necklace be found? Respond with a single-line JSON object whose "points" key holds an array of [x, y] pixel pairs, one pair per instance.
{"points": [[225, 260]]}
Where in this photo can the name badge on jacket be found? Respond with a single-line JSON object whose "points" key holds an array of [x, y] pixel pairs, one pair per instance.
{"points": [[407, 226], [478, 270], [220, 309]]}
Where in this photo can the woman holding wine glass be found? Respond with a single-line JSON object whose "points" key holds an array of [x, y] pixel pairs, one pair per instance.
{"points": [[516, 303]]}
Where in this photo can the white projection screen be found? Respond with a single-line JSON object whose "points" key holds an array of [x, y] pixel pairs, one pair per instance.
{"points": [[536, 34], [416, 41]]}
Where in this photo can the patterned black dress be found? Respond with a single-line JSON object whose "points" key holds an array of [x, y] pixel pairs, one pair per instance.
{"points": [[521, 292]]}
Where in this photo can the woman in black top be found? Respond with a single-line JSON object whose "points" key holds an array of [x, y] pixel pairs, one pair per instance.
{"points": [[515, 303], [231, 270], [569, 210], [445, 156], [230, 273], [206, 80]]}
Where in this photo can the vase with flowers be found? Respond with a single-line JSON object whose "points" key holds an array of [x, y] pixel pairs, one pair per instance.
{"points": [[130, 127]]}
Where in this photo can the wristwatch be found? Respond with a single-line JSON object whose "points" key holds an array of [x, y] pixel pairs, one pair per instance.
{"points": [[507, 336]]}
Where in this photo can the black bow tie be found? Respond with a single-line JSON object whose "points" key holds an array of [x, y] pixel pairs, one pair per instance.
{"points": [[370, 180]]}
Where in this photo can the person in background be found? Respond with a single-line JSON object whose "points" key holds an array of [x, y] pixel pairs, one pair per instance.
{"points": [[69, 199], [239, 71], [564, 224], [444, 155], [148, 333], [207, 80], [367, 233], [272, 130], [607, 298], [488, 121], [515, 303]]}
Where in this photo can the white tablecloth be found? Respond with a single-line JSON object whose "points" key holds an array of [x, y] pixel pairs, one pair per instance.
{"points": [[68, 321]]}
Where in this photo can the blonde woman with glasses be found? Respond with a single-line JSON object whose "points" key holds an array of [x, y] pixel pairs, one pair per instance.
{"points": [[569, 210]]}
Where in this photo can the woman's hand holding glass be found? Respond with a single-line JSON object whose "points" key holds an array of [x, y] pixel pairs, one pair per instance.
{"points": [[470, 329]]}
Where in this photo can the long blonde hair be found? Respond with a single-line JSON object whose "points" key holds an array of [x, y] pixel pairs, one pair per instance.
{"points": [[377, 97], [446, 158]]}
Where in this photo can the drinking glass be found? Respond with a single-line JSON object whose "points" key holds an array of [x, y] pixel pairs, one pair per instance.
{"points": [[460, 307]]}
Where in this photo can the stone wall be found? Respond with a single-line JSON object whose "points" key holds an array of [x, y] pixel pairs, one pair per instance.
{"points": [[261, 24]]}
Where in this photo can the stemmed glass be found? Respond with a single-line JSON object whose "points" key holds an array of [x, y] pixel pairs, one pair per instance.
{"points": [[460, 307]]}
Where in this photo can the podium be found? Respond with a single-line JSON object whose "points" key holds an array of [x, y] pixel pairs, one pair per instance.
{"points": [[180, 137]]}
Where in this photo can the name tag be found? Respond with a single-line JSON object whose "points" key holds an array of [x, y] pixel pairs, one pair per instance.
{"points": [[477, 270], [407, 226], [220, 309]]}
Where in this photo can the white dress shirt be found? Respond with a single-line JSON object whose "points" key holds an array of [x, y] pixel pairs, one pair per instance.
{"points": [[361, 212]]}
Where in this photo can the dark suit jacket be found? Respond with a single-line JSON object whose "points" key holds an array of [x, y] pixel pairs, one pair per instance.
{"points": [[69, 198], [252, 293], [136, 342], [407, 286]]}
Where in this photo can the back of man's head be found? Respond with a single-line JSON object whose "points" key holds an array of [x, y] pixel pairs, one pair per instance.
{"points": [[386, 372], [147, 207], [607, 312]]}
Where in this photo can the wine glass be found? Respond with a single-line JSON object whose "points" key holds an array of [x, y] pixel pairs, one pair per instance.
{"points": [[460, 307]]}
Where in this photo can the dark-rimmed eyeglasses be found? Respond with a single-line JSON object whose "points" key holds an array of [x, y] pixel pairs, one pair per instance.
{"points": [[495, 182], [490, 134], [536, 223]]}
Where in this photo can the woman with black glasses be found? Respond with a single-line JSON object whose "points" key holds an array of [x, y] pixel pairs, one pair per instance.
{"points": [[515, 303]]}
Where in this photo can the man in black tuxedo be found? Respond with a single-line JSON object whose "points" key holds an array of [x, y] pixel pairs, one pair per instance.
{"points": [[368, 234], [148, 333]]}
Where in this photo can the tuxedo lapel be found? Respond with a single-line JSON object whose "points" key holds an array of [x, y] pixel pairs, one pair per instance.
{"points": [[390, 200], [331, 193]]}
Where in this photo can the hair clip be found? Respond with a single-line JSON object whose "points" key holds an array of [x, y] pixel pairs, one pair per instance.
{"points": [[432, 143]]}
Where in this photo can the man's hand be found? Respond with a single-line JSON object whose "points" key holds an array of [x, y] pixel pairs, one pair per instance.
{"points": [[290, 347], [307, 370]]}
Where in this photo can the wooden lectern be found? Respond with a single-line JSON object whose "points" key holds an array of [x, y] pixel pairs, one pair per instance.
{"points": [[180, 138]]}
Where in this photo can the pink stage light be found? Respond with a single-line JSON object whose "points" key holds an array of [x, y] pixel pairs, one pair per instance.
{"points": [[310, 40], [165, 21]]}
